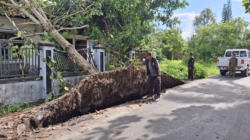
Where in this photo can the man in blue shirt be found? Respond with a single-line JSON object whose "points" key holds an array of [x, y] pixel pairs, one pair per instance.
{"points": [[154, 71]]}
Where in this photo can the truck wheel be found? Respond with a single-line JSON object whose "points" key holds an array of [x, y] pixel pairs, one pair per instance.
{"points": [[223, 73], [246, 72]]}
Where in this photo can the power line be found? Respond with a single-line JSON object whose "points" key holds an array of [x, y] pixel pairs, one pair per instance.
{"points": [[239, 12]]}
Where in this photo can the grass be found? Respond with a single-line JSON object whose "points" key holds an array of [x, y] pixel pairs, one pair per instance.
{"points": [[211, 69], [167, 62], [178, 69], [4, 110]]}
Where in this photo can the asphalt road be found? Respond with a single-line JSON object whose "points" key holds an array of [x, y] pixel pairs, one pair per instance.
{"points": [[216, 108]]}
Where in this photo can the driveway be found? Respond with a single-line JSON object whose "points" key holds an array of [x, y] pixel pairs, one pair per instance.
{"points": [[216, 108]]}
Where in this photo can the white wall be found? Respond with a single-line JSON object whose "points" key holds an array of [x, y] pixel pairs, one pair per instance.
{"points": [[74, 80], [20, 92], [30, 91]]}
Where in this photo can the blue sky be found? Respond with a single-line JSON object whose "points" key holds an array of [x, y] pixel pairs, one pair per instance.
{"points": [[187, 15]]}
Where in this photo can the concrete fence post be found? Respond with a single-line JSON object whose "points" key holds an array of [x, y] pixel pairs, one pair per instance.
{"points": [[46, 52], [99, 57]]}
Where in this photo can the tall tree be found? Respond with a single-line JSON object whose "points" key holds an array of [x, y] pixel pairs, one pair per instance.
{"points": [[227, 12], [53, 17], [205, 18], [125, 23], [211, 41], [166, 42]]}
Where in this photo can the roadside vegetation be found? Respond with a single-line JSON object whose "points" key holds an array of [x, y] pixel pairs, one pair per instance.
{"points": [[4, 110], [179, 69]]}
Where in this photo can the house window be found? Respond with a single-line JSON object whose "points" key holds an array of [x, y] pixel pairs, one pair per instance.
{"points": [[2, 36], [80, 44], [6, 35]]}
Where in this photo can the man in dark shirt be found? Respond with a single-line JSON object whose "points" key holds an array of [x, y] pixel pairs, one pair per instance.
{"points": [[154, 71], [191, 67]]}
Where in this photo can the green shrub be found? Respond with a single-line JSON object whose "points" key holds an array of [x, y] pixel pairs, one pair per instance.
{"points": [[180, 71], [200, 71], [13, 108], [177, 71]]}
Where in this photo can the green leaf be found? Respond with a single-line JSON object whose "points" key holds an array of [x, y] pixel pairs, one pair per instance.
{"points": [[46, 101], [19, 34], [13, 24], [51, 96], [59, 75], [51, 77], [66, 88], [50, 64], [61, 90], [43, 60], [53, 61]]}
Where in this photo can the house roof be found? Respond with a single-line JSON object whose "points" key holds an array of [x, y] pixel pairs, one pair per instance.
{"points": [[7, 30]]}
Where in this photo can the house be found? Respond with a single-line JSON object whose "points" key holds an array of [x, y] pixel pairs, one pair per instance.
{"points": [[23, 75], [7, 30]]}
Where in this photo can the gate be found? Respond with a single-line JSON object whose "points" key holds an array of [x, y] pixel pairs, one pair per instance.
{"points": [[17, 60]]}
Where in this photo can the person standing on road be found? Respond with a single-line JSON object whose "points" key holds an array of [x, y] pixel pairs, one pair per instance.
{"points": [[191, 67], [154, 72], [233, 63]]}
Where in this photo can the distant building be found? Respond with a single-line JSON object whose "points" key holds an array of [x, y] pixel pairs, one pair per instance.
{"points": [[177, 56]]}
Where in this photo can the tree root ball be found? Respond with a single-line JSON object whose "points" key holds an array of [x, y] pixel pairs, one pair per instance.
{"points": [[97, 91]]}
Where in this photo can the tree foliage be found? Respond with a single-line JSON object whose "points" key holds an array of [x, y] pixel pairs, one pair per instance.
{"points": [[211, 41], [166, 42], [205, 18], [118, 25], [126, 23], [227, 12]]}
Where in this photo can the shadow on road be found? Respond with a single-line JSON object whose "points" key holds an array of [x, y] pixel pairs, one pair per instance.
{"points": [[212, 91], [202, 123], [213, 109], [120, 123]]}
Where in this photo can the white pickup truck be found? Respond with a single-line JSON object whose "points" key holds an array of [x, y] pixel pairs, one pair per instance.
{"points": [[243, 56]]}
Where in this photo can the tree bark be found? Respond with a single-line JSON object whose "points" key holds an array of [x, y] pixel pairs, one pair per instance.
{"points": [[71, 51]]}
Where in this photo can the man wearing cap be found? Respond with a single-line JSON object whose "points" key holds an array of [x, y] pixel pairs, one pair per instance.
{"points": [[191, 67], [232, 65], [154, 72]]}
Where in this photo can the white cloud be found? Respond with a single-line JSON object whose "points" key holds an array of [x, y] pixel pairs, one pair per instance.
{"points": [[187, 34], [186, 16]]}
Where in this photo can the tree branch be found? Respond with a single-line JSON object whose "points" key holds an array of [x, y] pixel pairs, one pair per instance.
{"points": [[25, 13], [73, 28], [35, 12], [10, 20], [28, 23], [39, 8], [10, 5], [73, 14]]}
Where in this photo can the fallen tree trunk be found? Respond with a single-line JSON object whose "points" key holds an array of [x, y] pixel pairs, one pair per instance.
{"points": [[95, 92]]}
